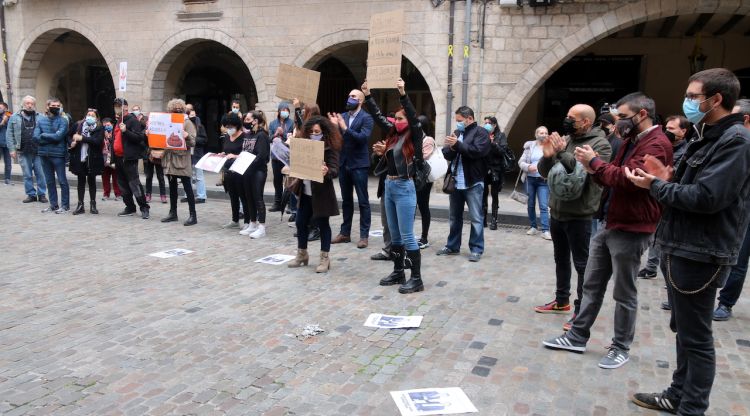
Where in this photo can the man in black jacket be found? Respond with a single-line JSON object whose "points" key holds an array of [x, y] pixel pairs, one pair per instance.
{"points": [[705, 215], [465, 149], [129, 145]]}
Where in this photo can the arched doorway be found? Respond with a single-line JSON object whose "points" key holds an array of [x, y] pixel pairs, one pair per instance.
{"points": [[65, 64], [208, 75]]}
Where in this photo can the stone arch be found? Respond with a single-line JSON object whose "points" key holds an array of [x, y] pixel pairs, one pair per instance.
{"points": [[615, 20], [319, 49], [35, 44], [171, 48]]}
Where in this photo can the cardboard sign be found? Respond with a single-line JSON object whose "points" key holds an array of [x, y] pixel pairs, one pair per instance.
{"points": [[384, 49], [123, 78], [293, 82], [306, 159], [165, 131]]}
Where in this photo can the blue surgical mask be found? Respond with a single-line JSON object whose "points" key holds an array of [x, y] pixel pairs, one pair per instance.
{"points": [[488, 127], [284, 115], [235, 110], [460, 126], [136, 113], [692, 111], [90, 120], [316, 137], [231, 131], [108, 128]]}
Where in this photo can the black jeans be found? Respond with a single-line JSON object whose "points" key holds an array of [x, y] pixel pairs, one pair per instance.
{"points": [[187, 186], [304, 218], [253, 181], [84, 179], [423, 203], [149, 168], [233, 183], [691, 319], [494, 188], [130, 183], [570, 237], [278, 181]]}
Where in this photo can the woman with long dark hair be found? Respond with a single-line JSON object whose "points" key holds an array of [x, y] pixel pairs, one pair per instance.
{"points": [[317, 201], [86, 159], [254, 179], [493, 180], [403, 142]]}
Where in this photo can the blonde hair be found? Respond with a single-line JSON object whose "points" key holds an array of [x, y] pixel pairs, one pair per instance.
{"points": [[176, 103]]}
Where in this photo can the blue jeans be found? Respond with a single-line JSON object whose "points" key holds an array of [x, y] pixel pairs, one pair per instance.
{"points": [[472, 197], [401, 206], [8, 162], [200, 183], [31, 166], [536, 187], [352, 180], [56, 166], [733, 287]]}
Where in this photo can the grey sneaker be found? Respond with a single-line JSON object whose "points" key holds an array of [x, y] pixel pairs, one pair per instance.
{"points": [[614, 359], [231, 224], [474, 257], [722, 313], [564, 343], [445, 251]]}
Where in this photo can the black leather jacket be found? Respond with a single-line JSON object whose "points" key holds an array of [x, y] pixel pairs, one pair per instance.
{"points": [[707, 204], [414, 126]]}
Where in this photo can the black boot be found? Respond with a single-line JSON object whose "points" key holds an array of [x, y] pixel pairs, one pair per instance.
{"points": [[493, 221], [397, 276], [79, 209], [276, 207], [172, 216], [414, 262], [92, 206], [192, 219]]}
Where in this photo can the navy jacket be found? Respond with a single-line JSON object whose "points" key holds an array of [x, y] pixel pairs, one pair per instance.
{"points": [[354, 154], [473, 150]]}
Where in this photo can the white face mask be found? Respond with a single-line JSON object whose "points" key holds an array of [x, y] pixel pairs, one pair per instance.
{"points": [[231, 131]]}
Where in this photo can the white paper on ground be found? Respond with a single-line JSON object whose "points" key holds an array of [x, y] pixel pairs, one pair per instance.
{"points": [[275, 259], [175, 252], [243, 161], [376, 233], [211, 162], [377, 320], [433, 401]]}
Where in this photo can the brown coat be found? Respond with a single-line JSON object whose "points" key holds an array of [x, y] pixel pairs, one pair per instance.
{"points": [[324, 202], [178, 162]]}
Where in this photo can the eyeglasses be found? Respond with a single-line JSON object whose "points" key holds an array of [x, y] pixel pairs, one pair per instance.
{"points": [[88, 110], [691, 96]]}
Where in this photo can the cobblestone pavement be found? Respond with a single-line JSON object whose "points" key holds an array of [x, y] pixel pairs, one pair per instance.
{"points": [[91, 325]]}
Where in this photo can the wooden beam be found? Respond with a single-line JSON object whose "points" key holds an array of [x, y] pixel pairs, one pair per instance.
{"points": [[667, 26], [699, 24], [638, 30], [729, 24]]}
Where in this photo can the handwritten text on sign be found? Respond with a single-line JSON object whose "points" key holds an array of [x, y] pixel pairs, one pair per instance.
{"points": [[293, 82], [384, 49], [306, 159]]}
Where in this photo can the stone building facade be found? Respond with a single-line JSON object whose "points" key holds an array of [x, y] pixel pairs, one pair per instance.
{"points": [[523, 46]]}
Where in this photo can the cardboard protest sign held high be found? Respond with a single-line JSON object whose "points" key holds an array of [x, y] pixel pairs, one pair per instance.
{"points": [[384, 49], [165, 131], [294, 82], [306, 159]]}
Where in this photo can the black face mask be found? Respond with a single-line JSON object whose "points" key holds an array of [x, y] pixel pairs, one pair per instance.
{"points": [[248, 126], [626, 127], [28, 112], [192, 119], [568, 126], [672, 138], [54, 111]]}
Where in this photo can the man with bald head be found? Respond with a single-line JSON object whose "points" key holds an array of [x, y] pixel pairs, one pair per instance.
{"points": [[629, 217], [570, 222], [354, 163]]}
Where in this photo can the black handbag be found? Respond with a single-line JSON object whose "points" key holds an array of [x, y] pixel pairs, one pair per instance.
{"points": [[422, 171], [449, 183]]}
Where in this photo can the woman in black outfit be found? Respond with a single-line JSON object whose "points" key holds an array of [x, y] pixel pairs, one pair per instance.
{"points": [[253, 181], [86, 159], [231, 147], [493, 180]]}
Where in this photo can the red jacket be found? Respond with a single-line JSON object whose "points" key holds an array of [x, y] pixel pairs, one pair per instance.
{"points": [[631, 208]]}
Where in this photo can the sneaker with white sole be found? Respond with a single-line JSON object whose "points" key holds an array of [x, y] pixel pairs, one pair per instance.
{"points": [[564, 343], [656, 401], [244, 231], [532, 231], [231, 224], [546, 235], [259, 232], [615, 358]]}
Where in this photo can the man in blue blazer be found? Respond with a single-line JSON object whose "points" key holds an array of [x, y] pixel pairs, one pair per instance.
{"points": [[354, 163]]}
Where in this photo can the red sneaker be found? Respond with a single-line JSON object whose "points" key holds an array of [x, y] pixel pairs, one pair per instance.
{"points": [[552, 307], [569, 324]]}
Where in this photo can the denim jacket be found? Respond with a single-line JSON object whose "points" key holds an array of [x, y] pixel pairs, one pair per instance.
{"points": [[707, 206]]}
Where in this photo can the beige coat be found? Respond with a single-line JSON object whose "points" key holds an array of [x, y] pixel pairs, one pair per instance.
{"points": [[178, 162]]}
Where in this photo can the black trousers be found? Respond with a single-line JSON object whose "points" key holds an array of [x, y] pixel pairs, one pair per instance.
{"points": [[253, 182], [130, 183], [305, 219], [570, 238], [691, 319], [235, 188], [149, 168], [187, 186], [423, 203], [83, 180], [278, 181], [494, 188]]}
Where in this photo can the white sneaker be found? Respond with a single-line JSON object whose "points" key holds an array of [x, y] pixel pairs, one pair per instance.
{"points": [[251, 228], [259, 232], [231, 224], [532, 231], [546, 235], [244, 230]]}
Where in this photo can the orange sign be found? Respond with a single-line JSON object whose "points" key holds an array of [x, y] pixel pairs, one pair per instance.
{"points": [[165, 131]]}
